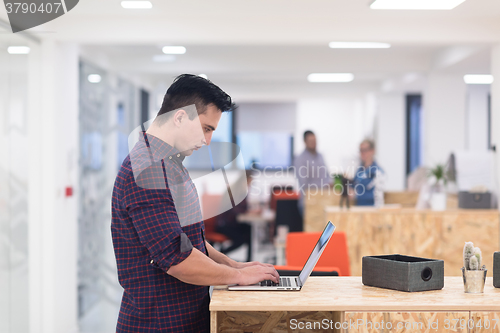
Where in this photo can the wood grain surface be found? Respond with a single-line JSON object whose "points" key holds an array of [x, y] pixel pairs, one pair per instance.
{"points": [[420, 233], [399, 322], [349, 294], [485, 322]]}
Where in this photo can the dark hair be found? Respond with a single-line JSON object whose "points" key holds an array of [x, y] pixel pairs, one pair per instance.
{"points": [[306, 133], [189, 89]]}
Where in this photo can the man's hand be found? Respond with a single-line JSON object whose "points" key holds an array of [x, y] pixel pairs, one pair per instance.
{"points": [[256, 273], [240, 265]]}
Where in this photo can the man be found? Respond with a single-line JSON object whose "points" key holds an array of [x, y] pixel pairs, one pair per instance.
{"points": [[368, 178], [164, 263], [310, 169]]}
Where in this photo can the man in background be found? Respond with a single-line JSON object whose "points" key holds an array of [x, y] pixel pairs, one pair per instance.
{"points": [[311, 170]]}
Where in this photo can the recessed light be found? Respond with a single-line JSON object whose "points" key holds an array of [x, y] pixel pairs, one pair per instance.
{"points": [[478, 79], [174, 49], [18, 49], [416, 4], [330, 77], [359, 45], [203, 76], [137, 4], [164, 58], [94, 78]]}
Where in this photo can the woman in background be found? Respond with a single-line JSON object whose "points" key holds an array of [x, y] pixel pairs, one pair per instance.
{"points": [[366, 184]]}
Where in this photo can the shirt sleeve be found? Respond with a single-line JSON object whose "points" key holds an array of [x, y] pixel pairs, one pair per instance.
{"points": [[298, 162], [156, 222], [327, 179]]}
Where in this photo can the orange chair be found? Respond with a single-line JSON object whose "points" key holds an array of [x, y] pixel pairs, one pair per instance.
{"points": [[210, 203], [300, 244], [294, 270], [212, 236]]}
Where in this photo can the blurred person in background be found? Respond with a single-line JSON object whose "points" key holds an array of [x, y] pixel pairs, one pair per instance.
{"points": [[310, 169], [368, 176]]}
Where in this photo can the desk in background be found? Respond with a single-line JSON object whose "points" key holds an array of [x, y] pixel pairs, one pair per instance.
{"points": [[421, 233], [259, 223], [346, 299], [315, 202]]}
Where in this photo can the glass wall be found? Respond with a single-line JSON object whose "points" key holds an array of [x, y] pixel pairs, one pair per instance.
{"points": [[14, 186], [108, 111]]}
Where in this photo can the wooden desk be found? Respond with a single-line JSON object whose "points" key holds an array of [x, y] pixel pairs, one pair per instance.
{"points": [[421, 233], [346, 299]]}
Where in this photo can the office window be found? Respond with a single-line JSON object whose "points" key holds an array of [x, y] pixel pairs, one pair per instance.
{"points": [[413, 132], [266, 149], [221, 154]]}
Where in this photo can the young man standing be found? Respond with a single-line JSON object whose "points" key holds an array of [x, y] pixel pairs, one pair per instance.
{"points": [[311, 170], [164, 263]]}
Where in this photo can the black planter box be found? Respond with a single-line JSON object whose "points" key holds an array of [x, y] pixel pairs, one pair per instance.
{"points": [[403, 273], [496, 270]]}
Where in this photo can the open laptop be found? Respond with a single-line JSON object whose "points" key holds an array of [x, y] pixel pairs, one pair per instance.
{"points": [[289, 283]]}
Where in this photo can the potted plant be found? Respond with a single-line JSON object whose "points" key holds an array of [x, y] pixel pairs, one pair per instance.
{"points": [[438, 176], [473, 273]]}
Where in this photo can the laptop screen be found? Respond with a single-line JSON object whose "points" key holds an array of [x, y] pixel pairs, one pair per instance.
{"points": [[316, 252]]}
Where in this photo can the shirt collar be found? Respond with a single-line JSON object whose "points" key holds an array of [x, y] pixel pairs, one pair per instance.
{"points": [[159, 148]]}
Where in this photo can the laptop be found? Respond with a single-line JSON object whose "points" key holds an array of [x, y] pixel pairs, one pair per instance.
{"points": [[291, 283]]}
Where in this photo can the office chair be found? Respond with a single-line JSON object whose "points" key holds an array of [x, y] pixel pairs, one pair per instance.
{"points": [[287, 213], [300, 244]]}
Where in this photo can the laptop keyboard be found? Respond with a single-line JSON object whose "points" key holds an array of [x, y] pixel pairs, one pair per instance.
{"points": [[284, 282]]}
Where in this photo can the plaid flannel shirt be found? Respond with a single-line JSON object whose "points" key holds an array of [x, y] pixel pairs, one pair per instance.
{"points": [[156, 221]]}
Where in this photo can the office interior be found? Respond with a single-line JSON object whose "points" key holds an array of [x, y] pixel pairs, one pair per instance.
{"points": [[84, 81]]}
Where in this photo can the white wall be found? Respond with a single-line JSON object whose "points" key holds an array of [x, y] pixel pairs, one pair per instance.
{"points": [[339, 125], [444, 105], [495, 110], [391, 139], [263, 117], [53, 125], [477, 117]]}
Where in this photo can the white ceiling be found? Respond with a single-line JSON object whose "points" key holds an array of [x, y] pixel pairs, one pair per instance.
{"points": [[274, 22], [265, 44]]}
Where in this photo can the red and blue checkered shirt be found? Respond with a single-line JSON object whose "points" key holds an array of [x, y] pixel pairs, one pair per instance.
{"points": [[154, 207]]}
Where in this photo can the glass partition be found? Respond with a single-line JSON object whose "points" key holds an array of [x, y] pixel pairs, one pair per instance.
{"points": [[14, 186]]}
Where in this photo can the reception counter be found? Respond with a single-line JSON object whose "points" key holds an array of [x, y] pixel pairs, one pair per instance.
{"points": [[421, 233], [344, 304]]}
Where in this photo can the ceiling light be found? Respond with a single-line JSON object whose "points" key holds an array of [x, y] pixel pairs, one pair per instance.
{"points": [[330, 77], [94, 78], [416, 4], [478, 79], [174, 49], [137, 4], [18, 49], [164, 58], [359, 45], [203, 76]]}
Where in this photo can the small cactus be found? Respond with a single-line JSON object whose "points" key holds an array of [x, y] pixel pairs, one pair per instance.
{"points": [[477, 254], [468, 253], [473, 264], [472, 257]]}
